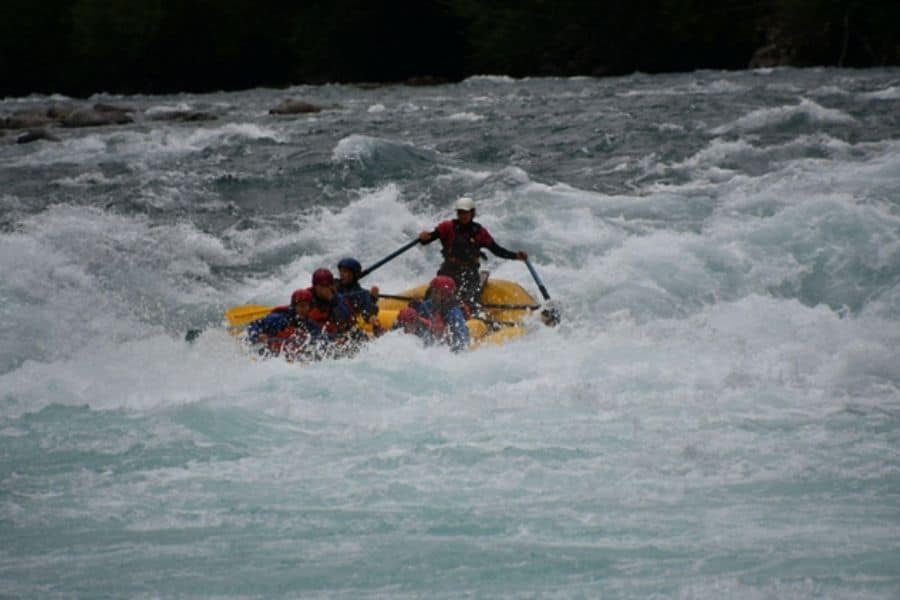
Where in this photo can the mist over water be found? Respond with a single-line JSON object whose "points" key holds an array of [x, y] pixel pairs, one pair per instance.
{"points": [[718, 414]]}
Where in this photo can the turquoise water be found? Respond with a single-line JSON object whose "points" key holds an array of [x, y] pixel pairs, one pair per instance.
{"points": [[718, 415]]}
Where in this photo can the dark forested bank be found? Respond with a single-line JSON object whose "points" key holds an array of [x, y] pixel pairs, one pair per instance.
{"points": [[78, 47]]}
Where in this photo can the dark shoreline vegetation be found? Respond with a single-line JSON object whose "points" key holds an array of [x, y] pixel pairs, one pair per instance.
{"points": [[81, 47]]}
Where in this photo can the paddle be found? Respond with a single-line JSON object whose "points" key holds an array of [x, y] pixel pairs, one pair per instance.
{"points": [[237, 316], [495, 306], [549, 315], [247, 313], [389, 257]]}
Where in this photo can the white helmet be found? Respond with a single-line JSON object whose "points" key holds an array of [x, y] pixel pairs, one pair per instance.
{"points": [[465, 203]]}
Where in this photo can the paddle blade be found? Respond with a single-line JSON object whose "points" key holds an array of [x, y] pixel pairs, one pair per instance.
{"points": [[247, 313], [550, 315]]}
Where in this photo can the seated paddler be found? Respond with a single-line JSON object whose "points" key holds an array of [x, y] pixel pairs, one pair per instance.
{"points": [[441, 314], [329, 310], [287, 328], [362, 302]]}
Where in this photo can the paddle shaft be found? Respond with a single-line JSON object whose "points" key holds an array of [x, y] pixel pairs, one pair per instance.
{"points": [[537, 279], [389, 257], [496, 306], [550, 315]]}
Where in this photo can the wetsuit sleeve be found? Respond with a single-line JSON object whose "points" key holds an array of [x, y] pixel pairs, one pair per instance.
{"points": [[498, 250], [271, 324], [486, 241]]}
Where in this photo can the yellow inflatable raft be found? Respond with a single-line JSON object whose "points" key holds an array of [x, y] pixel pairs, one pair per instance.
{"points": [[505, 304]]}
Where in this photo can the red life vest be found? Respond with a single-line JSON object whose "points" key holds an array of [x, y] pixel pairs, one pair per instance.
{"points": [[320, 313], [461, 246], [289, 336], [435, 325], [287, 339]]}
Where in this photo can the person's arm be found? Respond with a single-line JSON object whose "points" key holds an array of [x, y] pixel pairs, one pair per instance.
{"points": [[367, 305], [261, 329], [341, 314], [426, 237], [486, 241], [498, 250]]}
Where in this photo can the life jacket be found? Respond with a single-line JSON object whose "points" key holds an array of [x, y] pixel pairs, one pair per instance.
{"points": [[321, 315], [429, 318], [358, 299], [462, 245], [293, 336], [288, 339], [324, 313]]}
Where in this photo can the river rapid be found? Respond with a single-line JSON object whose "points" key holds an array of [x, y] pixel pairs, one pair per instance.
{"points": [[717, 415]]}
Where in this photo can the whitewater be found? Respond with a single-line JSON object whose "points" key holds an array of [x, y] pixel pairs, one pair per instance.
{"points": [[717, 415]]}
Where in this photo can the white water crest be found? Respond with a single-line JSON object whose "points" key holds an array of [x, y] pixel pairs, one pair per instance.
{"points": [[717, 414]]}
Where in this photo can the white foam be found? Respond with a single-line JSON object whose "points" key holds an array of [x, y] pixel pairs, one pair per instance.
{"points": [[770, 117], [164, 109], [87, 179], [355, 147], [9, 202], [490, 79], [694, 88], [141, 374], [465, 116], [118, 271], [670, 128], [159, 142], [890, 93], [829, 90]]}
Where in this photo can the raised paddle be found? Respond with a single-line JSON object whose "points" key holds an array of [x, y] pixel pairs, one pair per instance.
{"points": [[549, 315], [389, 257]]}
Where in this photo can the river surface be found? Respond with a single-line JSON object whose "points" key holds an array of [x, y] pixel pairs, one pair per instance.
{"points": [[717, 416]]}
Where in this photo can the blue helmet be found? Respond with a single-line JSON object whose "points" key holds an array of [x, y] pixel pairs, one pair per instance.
{"points": [[352, 265]]}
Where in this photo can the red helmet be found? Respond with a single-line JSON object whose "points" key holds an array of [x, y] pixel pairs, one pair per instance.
{"points": [[299, 296], [407, 315], [323, 277], [444, 284]]}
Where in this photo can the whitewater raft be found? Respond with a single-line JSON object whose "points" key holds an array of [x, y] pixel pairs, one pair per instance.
{"points": [[500, 318]]}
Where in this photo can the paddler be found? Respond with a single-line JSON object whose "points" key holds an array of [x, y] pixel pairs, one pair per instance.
{"points": [[411, 323], [439, 317], [362, 302], [287, 329], [330, 309], [462, 240]]}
